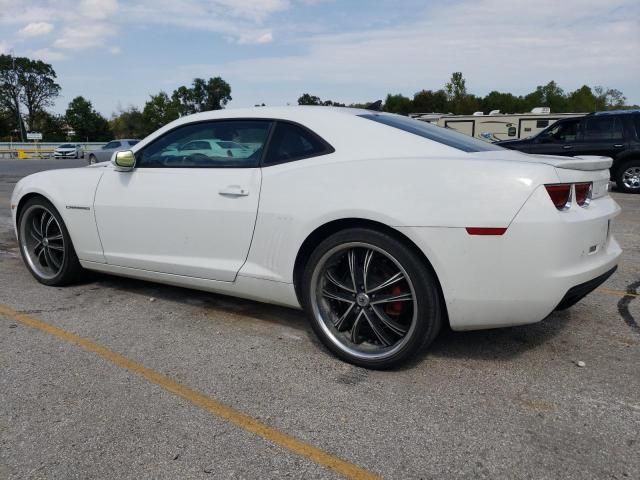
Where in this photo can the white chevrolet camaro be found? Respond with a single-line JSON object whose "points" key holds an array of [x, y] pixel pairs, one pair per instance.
{"points": [[381, 227]]}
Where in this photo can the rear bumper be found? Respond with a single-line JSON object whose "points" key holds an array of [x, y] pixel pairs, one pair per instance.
{"points": [[577, 293], [522, 276]]}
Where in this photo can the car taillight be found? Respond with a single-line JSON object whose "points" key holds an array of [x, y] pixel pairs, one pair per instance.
{"points": [[560, 194], [583, 193]]}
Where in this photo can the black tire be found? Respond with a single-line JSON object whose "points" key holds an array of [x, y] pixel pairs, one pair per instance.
{"points": [[70, 269], [626, 183], [92, 159], [421, 283]]}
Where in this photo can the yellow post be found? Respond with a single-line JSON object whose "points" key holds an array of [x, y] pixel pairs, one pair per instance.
{"points": [[22, 155]]}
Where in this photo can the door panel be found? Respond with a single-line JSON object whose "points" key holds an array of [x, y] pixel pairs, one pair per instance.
{"points": [[602, 135], [559, 139], [183, 221]]}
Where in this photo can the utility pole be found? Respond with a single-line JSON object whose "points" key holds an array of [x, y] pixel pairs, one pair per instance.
{"points": [[17, 100]]}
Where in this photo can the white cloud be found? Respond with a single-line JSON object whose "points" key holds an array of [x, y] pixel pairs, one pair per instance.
{"points": [[256, 10], [73, 38], [114, 50], [509, 47], [255, 37], [98, 9], [36, 29], [47, 55]]}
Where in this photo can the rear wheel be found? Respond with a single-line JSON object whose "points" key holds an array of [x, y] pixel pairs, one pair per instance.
{"points": [[92, 159], [45, 244], [628, 177], [370, 299]]}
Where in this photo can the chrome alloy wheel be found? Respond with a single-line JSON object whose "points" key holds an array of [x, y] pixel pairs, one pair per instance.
{"points": [[42, 241], [364, 300], [631, 177]]}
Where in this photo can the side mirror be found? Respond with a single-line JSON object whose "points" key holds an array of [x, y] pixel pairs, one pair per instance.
{"points": [[124, 161]]}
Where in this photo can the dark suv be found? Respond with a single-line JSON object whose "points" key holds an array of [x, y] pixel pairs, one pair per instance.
{"points": [[614, 134]]}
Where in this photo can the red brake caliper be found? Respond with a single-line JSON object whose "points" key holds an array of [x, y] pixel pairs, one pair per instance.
{"points": [[394, 308]]}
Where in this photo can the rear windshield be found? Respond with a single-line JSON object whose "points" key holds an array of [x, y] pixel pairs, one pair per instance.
{"points": [[442, 135], [133, 142]]}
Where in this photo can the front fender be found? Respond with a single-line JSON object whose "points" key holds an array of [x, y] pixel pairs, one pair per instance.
{"points": [[71, 191]]}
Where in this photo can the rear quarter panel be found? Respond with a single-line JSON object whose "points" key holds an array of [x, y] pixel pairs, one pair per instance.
{"points": [[449, 192]]}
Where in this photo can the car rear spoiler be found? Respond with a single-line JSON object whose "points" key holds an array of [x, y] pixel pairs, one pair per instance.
{"points": [[580, 162]]}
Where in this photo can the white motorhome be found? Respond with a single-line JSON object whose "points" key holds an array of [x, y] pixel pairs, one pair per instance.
{"points": [[497, 126]]}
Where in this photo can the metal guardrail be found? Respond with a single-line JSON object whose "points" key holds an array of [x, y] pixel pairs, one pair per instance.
{"points": [[40, 149]]}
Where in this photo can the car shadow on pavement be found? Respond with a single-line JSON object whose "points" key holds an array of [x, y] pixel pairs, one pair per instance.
{"points": [[500, 344], [284, 316]]}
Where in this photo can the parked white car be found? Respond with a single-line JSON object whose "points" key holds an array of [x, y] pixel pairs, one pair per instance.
{"points": [[381, 227], [69, 150], [105, 153]]}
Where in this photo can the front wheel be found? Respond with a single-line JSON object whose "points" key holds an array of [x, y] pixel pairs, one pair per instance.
{"points": [[628, 177], [45, 244], [371, 300], [92, 159]]}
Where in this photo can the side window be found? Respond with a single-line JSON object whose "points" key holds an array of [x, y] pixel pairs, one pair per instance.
{"points": [[211, 144], [133, 142], [606, 127], [293, 142], [561, 132], [636, 124], [111, 145]]}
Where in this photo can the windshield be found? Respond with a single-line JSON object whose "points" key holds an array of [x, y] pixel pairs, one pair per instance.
{"points": [[67, 145], [442, 135]]}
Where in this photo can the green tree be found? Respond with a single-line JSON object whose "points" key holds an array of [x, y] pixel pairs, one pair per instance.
{"points": [[6, 125], [128, 124], [459, 101], [86, 122], [428, 101], [306, 99], [202, 96], [505, 102], [549, 95], [397, 104], [27, 82], [158, 111], [39, 88], [11, 72], [53, 127], [582, 100], [609, 98]]}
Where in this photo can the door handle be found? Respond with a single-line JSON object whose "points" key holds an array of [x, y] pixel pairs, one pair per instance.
{"points": [[567, 147], [234, 191], [618, 145]]}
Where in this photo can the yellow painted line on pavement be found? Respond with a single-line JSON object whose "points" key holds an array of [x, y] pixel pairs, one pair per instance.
{"points": [[618, 293], [214, 407]]}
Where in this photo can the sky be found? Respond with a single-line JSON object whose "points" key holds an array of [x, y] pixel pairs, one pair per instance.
{"points": [[116, 53]]}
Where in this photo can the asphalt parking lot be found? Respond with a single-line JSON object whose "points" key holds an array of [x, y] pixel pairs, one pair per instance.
{"points": [[116, 378]]}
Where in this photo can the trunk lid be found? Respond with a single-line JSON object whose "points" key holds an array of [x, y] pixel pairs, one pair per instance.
{"points": [[585, 168]]}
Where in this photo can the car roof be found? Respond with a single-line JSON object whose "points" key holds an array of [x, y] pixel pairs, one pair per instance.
{"points": [[616, 112], [341, 127]]}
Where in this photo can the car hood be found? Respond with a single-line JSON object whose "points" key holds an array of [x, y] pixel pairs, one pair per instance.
{"points": [[106, 163]]}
